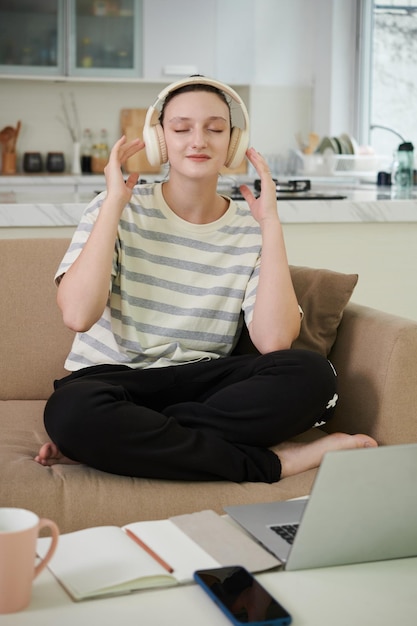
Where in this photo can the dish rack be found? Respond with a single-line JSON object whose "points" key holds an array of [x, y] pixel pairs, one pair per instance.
{"points": [[344, 164]]}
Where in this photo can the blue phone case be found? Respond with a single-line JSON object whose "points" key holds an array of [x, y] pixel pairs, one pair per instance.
{"points": [[273, 621]]}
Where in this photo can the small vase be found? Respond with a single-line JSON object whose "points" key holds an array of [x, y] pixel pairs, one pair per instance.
{"points": [[76, 160]]}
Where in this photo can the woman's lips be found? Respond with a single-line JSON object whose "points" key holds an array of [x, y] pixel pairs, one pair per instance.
{"points": [[198, 157]]}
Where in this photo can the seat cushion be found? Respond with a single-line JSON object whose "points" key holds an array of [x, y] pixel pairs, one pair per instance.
{"points": [[76, 496]]}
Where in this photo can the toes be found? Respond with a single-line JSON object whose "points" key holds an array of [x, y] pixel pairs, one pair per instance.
{"points": [[47, 454], [365, 441]]}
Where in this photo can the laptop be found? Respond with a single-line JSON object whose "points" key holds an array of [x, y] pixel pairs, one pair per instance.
{"points": [[362, 508]]}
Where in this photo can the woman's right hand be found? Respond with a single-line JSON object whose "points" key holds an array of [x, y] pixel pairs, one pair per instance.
{"points": [[118, 188]]}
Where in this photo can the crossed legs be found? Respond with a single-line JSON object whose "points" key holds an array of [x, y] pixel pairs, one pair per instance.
{"points": [[205, 421]]}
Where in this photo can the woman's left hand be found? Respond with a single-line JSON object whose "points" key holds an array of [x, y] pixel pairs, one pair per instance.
{"points": [[265, 206], [276, 318]]}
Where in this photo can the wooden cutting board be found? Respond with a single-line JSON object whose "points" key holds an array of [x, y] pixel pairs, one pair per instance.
{"points": [[132, 121]]}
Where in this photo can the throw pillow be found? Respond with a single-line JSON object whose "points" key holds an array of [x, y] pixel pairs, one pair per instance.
{"points": [[323, 295]]}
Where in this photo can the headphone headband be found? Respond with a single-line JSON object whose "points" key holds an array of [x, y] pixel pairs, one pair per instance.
{"points": [[203, 80], [153, 134]]}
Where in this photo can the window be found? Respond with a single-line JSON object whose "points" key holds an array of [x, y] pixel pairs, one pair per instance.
{"points": [[388, 73]]}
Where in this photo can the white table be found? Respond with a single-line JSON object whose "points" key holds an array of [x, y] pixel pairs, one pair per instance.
{"points": [[371, 594]]}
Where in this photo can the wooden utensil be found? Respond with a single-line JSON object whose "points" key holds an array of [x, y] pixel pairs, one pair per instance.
{"points": [[17, 132], [8, 137]]}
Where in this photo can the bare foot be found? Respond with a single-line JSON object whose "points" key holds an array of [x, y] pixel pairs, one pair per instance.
{"points": [[300, 457], [49, 454]]}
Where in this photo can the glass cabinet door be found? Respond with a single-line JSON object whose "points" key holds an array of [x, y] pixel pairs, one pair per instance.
{"points": [[31, 37], [71, 37], [105, 38]]}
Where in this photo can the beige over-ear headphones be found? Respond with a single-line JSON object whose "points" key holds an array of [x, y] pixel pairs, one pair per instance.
{"points": [[153, 134]]}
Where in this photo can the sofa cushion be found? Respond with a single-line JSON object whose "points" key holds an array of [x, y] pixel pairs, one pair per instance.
{"points": [[77, 496], [34, 342], [323, 294]]}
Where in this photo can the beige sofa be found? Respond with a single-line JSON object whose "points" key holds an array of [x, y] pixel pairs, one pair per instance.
{"points": [[374, 353]]}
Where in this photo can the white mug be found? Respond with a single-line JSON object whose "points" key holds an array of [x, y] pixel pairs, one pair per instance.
{"points": [[19, 531]]}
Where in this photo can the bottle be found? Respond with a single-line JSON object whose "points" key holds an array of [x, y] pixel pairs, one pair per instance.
{"points": [[404, 165], [86, 151], [100, 153], [104, 145]]}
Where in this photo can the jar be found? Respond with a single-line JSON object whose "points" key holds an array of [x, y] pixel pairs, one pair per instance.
{"points": [[32, 162], [55, 162]]}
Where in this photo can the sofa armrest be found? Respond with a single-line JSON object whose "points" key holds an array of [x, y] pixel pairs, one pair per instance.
{"points": [[375, 355]]}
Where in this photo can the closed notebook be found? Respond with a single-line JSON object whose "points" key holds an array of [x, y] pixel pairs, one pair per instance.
{"points": [[105, 560]]}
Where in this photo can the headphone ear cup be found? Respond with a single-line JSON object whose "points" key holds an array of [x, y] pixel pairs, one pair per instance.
{"points": [[156, 151], [238, 145], [162, 147]]}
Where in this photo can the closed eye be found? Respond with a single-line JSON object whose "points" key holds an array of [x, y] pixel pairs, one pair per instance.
{"points": [[186, 130]]}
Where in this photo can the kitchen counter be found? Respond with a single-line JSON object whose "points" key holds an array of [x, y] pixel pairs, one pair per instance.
{"points": [[43, 200], [59, 200]]}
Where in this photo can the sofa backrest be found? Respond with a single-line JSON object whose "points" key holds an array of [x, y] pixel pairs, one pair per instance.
{"points": [[33, 339]]}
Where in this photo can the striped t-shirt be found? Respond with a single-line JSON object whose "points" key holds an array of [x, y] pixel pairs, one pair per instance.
{"points": [[178, 290]]}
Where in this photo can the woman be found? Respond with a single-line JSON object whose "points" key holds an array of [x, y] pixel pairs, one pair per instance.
{"points": [[155, 390]]}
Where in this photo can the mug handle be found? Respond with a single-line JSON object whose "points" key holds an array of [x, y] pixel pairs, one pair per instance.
{"points": [[47, 523]]}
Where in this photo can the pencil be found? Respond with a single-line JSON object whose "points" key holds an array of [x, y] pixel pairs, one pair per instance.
{"points": [[149, 551]]}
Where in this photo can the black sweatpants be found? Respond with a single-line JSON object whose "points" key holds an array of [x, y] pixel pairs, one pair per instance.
{"points": [[210, 420]]}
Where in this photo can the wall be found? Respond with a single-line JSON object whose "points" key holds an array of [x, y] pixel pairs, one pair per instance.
{"points": [[333, 62], [309, 47], [38, 105], [383, 254]]}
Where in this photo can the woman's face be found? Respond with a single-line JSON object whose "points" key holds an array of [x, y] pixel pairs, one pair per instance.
{"points": [[197, 133]]}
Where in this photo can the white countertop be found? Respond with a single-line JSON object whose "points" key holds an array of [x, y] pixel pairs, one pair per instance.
{"points": [[375, 594], [59, 200]]}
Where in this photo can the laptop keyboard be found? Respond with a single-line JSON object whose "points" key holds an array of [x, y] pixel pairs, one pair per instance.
{"points": [[286, 531]]}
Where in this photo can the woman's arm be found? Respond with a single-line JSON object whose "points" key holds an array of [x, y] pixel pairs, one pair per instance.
{"points": [[84, 289], [276, 316]]}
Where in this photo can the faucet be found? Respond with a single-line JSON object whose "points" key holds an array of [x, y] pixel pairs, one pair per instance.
{"points": [[390, 130]]}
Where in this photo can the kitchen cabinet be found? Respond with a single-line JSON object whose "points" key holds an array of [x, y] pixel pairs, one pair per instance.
{"points": [[210, 37], [87, 38], [31, 37], [105, 38], [155, 40]]}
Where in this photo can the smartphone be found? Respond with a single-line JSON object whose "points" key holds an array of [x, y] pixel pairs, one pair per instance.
{"points": [[241, 598]]}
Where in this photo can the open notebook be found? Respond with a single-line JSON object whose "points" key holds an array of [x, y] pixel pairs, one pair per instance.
{"points": [[105, 560]]}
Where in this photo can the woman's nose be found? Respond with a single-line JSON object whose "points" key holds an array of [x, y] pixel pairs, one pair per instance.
{"points": [[198, 138]]}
